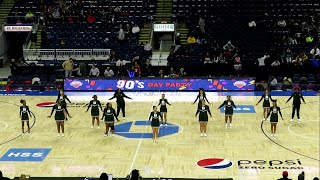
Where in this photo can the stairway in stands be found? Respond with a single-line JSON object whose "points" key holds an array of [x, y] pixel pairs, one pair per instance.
{"points": [[144, 35], [5, 9], [183, 30], [163, 11], [39, 40]]}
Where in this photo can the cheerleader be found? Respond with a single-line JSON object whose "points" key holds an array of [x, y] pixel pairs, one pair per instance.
{"points": [[155, 123], [297, 96], [201, 96], [109, 114], [24, 115], [266, 97], [163, 108], [119, 95], [275, 110], [94, 105], [59, 116], [229, 105], [62, 97], [203, 111]]}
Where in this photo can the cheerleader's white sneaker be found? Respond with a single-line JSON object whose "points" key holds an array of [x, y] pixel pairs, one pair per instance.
{"points": [[205, 134], [201, 134], [299, 120]]}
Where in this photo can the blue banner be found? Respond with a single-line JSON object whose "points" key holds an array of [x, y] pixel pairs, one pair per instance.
{"points": [[164, 84]]}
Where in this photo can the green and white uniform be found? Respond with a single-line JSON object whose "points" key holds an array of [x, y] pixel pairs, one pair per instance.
{"points": [[109, 114], [203, 113], [201, 97], [24, 113], [229, 105], [274, 111], [94, 104], [266, 100], [59, 115], [155, 121]]}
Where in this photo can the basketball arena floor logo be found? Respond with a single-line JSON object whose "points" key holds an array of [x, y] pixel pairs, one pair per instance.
{"points": [[46, 104], [215, 163]]}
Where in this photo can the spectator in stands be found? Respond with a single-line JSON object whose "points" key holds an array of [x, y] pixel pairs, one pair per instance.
{"points": [[262, 60], [215, 59], [252, 24], [172, 72], [302, 57], [274, 82], [315, 51], [132, 72], [3, 178], [120, 62], [56, 13], [207, 59], [182, 73], [68, 67], [275, 63], [202, 24], [191, 40], [292, 41], [35, 80], [161, 74], [288, 56], [91, 18], [135, 29], [147, 48], [82, 70], [287, 81], [284, 176], [177, 39], [137, 69], [14, 67], [108, 72], [228, 46], [121, 35], [103, 176], [94, 71]]}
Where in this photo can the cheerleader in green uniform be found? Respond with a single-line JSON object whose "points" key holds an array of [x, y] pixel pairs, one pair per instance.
{"points": [[229, 105], [94, 105], [201, 96], [155, 123], [163, 108], [59, 116], [275, 110], [63, 98], [203, 111], [266, 97], [109, 114], [24, 114]]}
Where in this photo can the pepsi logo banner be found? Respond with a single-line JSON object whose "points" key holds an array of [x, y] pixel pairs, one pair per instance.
{"points": [[164, 84], [215, 163]]}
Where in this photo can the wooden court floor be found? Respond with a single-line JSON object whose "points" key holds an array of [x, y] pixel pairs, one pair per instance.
{"points": [[86, 152]]}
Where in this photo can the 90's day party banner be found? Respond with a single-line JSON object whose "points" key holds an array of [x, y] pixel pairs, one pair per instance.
{"points": [[154, 84]]}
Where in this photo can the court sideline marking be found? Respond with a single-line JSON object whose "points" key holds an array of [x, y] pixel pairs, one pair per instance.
{"points": [[34, 122], [5, 126], [139, 145], [284, 146], [302, 136]]}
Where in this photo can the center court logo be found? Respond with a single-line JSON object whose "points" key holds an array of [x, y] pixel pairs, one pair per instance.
{"points": [[46, 104], [215, 163]]}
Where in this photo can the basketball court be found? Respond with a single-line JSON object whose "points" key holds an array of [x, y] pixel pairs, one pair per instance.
{"points": [[246, 151]]}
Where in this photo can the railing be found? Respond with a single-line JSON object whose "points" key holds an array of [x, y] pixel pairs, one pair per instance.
{"points": [[63, 54]]}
